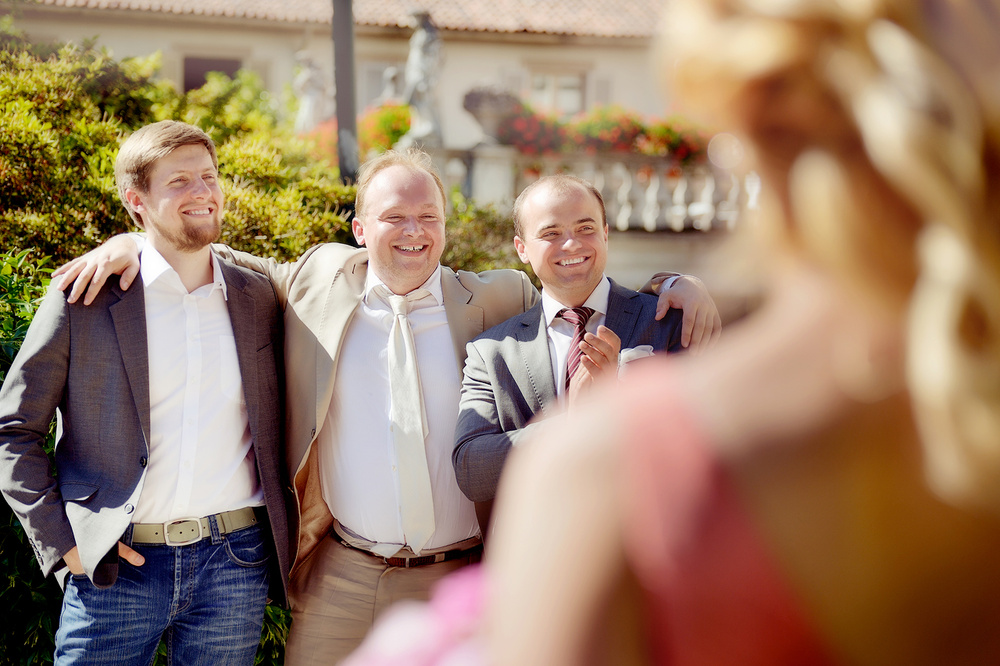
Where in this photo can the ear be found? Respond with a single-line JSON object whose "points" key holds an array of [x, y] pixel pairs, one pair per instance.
{"points": [[519, 246], [135, 200], [359, 230]]}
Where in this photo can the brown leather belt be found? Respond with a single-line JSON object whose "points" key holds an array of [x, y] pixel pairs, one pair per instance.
{"points": [[415, 560], [186, 531]]}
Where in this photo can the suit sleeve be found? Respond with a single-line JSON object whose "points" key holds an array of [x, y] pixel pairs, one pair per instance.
{"points": [[280, 274], [31, 392], [481, 443]]}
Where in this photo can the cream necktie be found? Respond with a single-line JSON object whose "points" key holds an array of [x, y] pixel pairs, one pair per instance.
{"points": [[409, 424]]}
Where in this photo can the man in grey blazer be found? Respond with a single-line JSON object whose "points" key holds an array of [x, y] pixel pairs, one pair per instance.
{"points": [[164, 513], [530, 363]]}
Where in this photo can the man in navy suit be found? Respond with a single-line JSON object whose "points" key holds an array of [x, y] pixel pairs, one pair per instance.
{"points": [[535, 360]]}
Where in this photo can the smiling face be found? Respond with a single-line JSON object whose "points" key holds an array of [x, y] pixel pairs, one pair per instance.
{"points": [[402, 225], [565, 240], [182, 209]]}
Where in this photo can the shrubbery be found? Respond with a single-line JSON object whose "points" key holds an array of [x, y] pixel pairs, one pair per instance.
{"points": [[64, 113], [29, 604]]}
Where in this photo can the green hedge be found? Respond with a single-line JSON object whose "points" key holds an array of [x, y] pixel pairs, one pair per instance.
{"points": [[65, 112], [29, 604]]}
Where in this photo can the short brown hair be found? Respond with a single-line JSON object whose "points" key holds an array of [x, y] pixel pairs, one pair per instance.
{"points": [[559, 181], [145, 147], [411, 158]]}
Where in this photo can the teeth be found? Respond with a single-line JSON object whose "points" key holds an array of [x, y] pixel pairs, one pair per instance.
{"points": [[410, 248], [572, 262], [200, 211]]}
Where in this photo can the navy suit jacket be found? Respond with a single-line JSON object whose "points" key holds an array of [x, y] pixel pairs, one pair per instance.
{"points": [[508, 380]]}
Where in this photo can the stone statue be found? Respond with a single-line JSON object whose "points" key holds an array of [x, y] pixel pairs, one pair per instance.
{"points": [[419, 83], [310, 89]]}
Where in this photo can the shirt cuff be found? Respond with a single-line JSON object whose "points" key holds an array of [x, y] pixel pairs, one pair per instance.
{"points": [[668, 283]]}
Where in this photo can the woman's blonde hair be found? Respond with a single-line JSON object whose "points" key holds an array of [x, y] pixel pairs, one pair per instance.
{"points": [[876, 126]]}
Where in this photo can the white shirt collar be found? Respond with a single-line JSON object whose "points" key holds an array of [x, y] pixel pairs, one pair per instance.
{"points": [[598, 300], [433, 285], [153, 267]]}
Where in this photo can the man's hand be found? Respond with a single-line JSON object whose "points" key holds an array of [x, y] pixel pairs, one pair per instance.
{"points": [[702, 324], [118, 255], [600, 357], [75, 566]]}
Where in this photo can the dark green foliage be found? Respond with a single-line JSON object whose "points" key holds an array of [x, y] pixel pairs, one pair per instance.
{"points": [[65, 112], [29, 604], [480, 238]]}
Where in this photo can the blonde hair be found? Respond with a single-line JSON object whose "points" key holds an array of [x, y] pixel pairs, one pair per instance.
{"points": [[145, 147], [876, 126], [411, 158]]}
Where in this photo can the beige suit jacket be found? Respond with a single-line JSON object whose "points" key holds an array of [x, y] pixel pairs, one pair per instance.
{"points": [[320, 294]]}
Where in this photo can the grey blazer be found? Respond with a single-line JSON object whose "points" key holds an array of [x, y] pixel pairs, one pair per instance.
{"points": [[508, 379], [91, 364]]}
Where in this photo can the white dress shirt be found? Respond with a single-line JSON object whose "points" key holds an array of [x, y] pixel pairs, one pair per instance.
{"points": [[561, 331], [357, 457], [200, 457]]}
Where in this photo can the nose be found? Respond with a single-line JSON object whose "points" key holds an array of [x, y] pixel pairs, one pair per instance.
{"points": [[411, 225], [200, 189], [571, 243]]}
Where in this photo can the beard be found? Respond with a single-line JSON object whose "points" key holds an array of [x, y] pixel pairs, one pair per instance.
{"points": [[193, 237]]}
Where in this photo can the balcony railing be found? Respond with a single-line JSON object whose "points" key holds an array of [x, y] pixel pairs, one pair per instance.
{"points": [[640, 192]]}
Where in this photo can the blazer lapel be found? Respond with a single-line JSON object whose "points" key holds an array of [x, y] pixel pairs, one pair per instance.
{"points": [[342, 299], [242, 316], [533, 343], [623, 311], [129, 317], [464, 321]]}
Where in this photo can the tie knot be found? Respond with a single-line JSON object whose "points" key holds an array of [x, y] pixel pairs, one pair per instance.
{"points": [[576, 316], [401, 304]]}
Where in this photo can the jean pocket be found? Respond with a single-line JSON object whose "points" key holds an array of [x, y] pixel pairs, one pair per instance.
{"points": [[247, 548]]}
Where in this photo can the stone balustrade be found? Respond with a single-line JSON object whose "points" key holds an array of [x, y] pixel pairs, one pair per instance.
{"points": [[640, 192]]}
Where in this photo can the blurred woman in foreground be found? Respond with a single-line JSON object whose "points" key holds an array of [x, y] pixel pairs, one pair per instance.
{"points": [[828, 490]]}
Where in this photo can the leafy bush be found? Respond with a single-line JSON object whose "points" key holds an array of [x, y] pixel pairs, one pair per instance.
{"points": [[480, 238], [379, 128], [29, 604], [65, 112]]}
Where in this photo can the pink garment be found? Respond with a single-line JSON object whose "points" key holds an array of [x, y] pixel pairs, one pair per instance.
{"points": [[444, 631], [714, 595]]}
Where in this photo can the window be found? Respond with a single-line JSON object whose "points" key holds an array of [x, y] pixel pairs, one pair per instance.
{"points": [[562, 93], [195, 70]]}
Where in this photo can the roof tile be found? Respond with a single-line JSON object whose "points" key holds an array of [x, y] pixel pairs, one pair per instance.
{"points": [[599, 18]]}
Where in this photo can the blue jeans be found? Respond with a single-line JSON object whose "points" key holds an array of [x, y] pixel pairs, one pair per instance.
{"points": [[207, 600]]}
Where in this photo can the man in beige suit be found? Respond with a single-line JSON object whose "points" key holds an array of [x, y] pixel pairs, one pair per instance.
{"points": [[342, 452]]}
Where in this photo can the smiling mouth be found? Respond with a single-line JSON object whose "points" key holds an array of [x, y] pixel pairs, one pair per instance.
{"points": [[199, 211], [410, 248], [572, 262]]}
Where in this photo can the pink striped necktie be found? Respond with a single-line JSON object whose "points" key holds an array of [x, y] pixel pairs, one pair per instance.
{"points": [[579, 318]]}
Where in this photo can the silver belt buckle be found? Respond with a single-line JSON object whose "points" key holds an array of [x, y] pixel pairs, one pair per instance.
{"points": [[182, 521]]}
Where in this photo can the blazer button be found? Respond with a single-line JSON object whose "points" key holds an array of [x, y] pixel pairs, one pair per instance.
{"points": [[142, 461], [129, 508]]}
